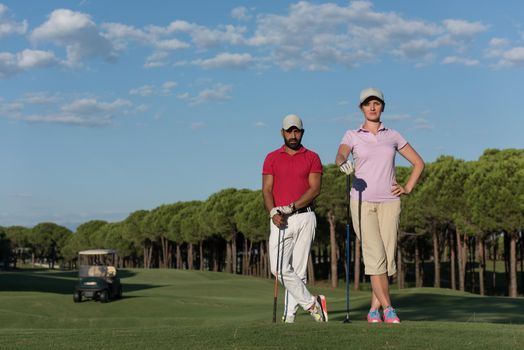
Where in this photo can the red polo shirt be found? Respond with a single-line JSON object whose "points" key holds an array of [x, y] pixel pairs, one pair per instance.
{"points": [[290, 173]]}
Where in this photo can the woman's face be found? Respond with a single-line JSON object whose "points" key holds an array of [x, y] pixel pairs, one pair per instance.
{"points": [[372, 110]]}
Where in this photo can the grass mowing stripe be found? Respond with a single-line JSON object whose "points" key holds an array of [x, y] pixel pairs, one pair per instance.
{"points": [[166, 309], [359, 335]]}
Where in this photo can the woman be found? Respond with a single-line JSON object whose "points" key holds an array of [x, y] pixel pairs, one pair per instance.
{"points": [[375, 196]]}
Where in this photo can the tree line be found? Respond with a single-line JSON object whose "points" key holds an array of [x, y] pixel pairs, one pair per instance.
{"points": [[462, 216]]}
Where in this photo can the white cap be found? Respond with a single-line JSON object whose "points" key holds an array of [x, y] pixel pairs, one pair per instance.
{"points": [[371, 92], [292, 120]]}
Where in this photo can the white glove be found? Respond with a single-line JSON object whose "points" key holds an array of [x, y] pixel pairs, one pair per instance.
{"points": [[346, 168], [283, 210], [274, 212]]}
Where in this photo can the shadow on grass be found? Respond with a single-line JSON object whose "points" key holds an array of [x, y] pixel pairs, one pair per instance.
{"points": [[441, 307], [115, 300], [38, 280], [446, 308]]}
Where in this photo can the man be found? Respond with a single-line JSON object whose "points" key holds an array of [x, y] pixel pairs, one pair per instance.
{"points": [[291, 180]]}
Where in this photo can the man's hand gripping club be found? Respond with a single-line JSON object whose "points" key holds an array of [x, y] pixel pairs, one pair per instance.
{"points": [[277, 213]]}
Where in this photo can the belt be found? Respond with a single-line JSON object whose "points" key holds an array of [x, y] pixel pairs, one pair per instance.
{"points": [[303, 210]]}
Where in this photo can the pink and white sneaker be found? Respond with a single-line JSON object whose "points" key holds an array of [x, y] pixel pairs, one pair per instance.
{"points": [[374, 316], [323, 305], [390, 316]]}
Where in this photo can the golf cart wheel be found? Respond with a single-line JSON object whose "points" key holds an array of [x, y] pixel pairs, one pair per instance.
{"points": [[104, 296], [77, 297]]}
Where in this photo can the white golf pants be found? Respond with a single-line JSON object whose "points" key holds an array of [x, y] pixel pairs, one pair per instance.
{"points": [[291, 255]]}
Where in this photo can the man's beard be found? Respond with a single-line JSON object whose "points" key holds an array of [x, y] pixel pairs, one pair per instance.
{"points": [[294, 144]]}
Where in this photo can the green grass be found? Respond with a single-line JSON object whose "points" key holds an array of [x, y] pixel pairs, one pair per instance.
{"points": [[168, 309]]}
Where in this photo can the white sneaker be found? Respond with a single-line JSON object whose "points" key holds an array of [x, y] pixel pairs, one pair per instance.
{"points": [[288, 319]]}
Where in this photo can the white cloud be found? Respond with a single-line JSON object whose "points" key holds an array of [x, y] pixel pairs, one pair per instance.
{"points": [[171, 44], [309, 36], [417, 49], [146, 90], [177, 26], [8, 26], [151, 90], [80, 112], [497, 42], [169, 85], [225, 60], [11, 64], [218, 92], [316, 37], [507, 57], [119, 31], [8, 109], [320, 36], [69, 119], [461, 28], [77, 33], [241, 13], [92, 107], [515, 54], [460, 34], [202, 36], [512, 58], [461, 61], [152, 36], [260, 125], [496, 47], [35, 58], [157, 59], [39, 98]]}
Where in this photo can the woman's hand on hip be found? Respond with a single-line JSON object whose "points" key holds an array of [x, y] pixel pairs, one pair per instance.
{"points": [[398, 190]]}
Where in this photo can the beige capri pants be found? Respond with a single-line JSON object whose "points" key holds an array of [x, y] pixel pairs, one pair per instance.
{"points": [[379, 222]]}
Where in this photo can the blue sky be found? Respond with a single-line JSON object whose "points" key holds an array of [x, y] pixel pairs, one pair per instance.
{"points": [[110, 107]]}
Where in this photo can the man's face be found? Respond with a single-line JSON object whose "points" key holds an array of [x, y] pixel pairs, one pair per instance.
{"points": [[293, 137]]}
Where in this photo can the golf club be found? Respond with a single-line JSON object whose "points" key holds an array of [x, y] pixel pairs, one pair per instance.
{"points": [[275, 288], [348, 248]]}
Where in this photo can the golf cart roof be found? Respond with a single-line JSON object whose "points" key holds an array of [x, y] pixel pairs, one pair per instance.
{"points": [[97, 252]]}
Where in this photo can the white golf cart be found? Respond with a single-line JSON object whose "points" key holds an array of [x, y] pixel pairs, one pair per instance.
{"points": [[97, 276]]}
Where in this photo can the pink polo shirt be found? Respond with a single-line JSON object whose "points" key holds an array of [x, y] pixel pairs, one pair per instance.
{"points": [[374, 159], [290, 173]]}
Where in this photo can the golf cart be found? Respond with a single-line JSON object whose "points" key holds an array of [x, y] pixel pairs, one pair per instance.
{"points": [[97, 276]]}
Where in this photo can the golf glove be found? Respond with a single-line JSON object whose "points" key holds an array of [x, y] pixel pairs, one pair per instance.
{"points": [[283, 210], [346, 168], [273, 212]]}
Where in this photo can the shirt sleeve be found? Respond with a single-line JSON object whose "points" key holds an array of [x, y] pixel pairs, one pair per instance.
{"points": [[400, 141], [316, 164], [347, 139], [267, 168]]}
